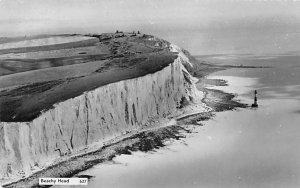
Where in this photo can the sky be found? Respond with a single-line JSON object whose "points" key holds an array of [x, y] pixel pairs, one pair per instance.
{"points": [[200, 26]]}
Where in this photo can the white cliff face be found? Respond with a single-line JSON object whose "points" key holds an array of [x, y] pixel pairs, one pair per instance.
{"points": [[175, 48], [95, 116]]}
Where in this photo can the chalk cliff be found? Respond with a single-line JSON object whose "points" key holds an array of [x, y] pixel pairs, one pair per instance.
{"points": [[94, 116]]}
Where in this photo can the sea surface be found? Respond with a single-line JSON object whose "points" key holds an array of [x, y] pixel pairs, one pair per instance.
{"points": [[244, 148]]}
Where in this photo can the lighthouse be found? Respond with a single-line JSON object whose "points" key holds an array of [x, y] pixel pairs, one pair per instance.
{"points": [[255, 105]]}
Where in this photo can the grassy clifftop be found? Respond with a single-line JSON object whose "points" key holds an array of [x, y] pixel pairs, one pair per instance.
{"points": [[49, 71]]}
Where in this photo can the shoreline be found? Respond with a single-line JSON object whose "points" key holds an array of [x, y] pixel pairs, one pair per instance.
{"points": [[144, 140]]}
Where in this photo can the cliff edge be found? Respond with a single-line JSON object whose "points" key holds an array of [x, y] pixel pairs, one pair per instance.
{"points": [[62, 95]]}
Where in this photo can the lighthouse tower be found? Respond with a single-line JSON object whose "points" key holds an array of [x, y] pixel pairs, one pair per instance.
{"points": [[255, 105]]}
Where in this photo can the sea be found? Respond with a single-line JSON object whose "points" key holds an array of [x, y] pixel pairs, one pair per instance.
{"points": [[244, 148]]}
